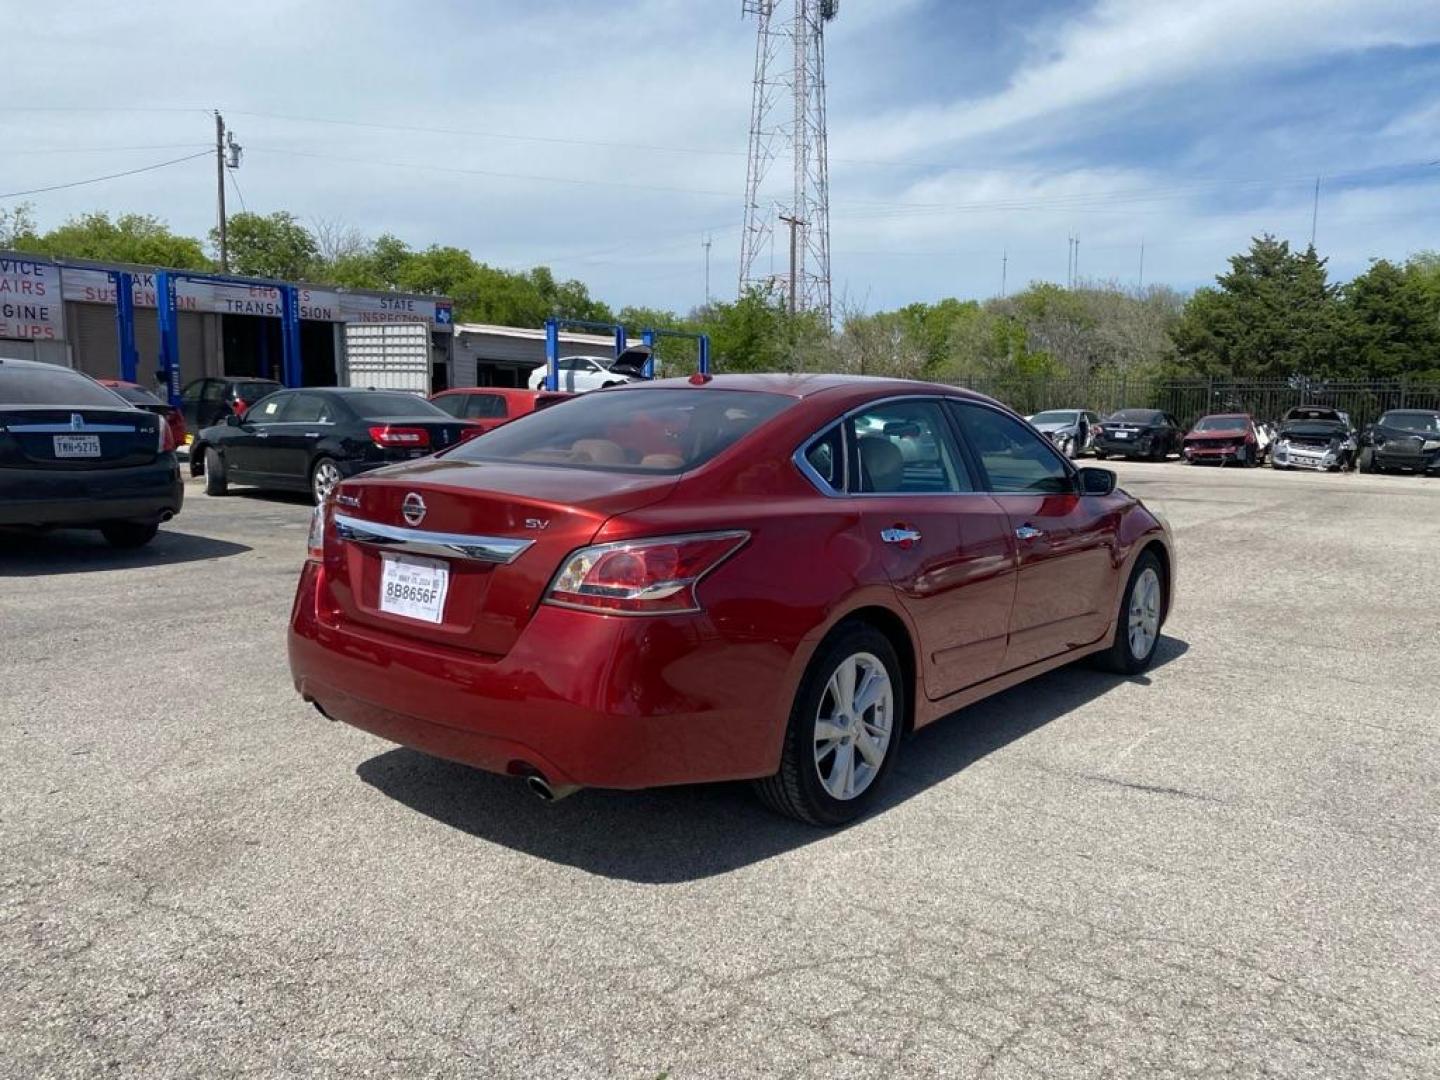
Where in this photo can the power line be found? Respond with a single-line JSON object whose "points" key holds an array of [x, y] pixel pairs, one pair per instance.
{"points": [[238, 193], [101, 179], [103, 149]]}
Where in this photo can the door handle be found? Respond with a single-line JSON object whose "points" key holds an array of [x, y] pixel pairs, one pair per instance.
{"points": [[900, 535], [312, 434], [1028, 532], [262, 434]]}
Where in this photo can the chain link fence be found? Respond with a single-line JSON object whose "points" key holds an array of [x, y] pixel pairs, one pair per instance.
{"points": [[1189, 399]]}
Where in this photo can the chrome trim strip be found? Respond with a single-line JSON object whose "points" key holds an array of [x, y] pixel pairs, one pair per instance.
{"points": [[491, 549], [66, 429]]}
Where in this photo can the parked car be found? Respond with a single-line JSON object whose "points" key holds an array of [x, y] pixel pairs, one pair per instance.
{"points": [[74, 454], [1221, 438], [760, 577], [1142, 433], [1071, 430], [310, 440], [1314, 437], [1402, 440], [580, 373], [143, 399], [210, 400], [490, 406]]}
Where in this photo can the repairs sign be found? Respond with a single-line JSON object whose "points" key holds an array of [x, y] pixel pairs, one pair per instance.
{"points": [[30, 305]]}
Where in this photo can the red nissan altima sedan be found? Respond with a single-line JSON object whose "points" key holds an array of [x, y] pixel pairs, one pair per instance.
{"points": [[761, 577]]}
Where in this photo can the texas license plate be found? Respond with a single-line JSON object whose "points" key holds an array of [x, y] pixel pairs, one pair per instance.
{"points": [[413, 588], [77, 445]]}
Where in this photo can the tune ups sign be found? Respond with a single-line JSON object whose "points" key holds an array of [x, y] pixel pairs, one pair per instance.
{"points": [[31, 307]]}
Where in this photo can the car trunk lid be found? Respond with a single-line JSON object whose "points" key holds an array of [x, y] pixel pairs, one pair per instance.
{"points": [[87, 437], [472, 517]]}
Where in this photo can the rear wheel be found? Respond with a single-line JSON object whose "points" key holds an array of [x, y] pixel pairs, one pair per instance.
{"points": [[129, 534], [1137, 629], [215, 480], [1367, 460], [324, 475], [1100, 455], [844, 730]]}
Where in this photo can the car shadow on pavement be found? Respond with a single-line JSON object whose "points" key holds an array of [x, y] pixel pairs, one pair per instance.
{"points": [[667, 835], [77, 551]]}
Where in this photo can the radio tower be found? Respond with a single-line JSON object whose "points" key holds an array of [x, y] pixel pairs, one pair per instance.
{"points": [[788, 114]]}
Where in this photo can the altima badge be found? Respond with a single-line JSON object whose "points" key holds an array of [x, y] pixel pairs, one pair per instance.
{"points": [[413, 509]]}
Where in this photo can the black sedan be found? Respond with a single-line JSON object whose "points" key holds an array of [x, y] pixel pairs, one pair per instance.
{"points": [[1402, 439], [310, 440], [1138, 433], [74, 454]]}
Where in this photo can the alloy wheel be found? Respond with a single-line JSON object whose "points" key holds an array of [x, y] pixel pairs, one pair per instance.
{"points": [[854, 726], [327, 475], [1144, 617]]}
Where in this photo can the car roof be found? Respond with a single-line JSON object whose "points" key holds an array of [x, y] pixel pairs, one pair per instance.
{"points": [[15, 361], [1225, 416], [498, 391], [805, 386]]}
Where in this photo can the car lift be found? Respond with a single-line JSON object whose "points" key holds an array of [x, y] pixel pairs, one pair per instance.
{"points": [[647, 336]]}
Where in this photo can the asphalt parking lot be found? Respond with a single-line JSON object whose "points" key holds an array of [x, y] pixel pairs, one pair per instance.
{"points": [[1230, 866]]}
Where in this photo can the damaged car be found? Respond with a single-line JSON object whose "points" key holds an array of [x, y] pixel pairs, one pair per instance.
{"points": [[1071, 430], [1224, 437], [1314, 437], [1402, 440]]}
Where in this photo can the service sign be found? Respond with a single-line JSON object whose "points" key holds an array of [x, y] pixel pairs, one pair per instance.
{"points": [[31, 307], [98, 287]]}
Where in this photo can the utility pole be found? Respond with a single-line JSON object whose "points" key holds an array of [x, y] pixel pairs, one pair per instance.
{"points": [[706, 245], [1315, 212], [1142, 265], [1075, 273], [1004, 271], [794, 223], [220, 190]]}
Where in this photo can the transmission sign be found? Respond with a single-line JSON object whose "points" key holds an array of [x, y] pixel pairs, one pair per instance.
{"points": [[31, 308]]}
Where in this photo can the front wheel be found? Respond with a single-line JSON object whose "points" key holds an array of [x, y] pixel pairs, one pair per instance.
{"points": [[1367, 460], [323, 478], [129, 534], [215, 479], [844, 730], [1137, 629], [1100, 455]]}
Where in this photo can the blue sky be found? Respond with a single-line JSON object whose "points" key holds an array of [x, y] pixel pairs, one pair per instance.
{"points": [[607, 139]]}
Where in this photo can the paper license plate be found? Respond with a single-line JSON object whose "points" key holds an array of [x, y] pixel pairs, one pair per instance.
{"points": [[413, 588], [1122, 434], [77, 445]]}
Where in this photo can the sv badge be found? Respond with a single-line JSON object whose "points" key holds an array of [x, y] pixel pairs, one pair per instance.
{"points": [[537, 523]]}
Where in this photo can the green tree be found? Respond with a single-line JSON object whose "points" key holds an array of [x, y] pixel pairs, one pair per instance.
{"points": [[17, 228], [1394, 319], [1275, 314], [129, 238], [269, 245]]}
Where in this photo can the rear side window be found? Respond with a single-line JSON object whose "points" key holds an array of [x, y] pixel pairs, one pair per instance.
{"points": [[269, 410], [254, 391], [382, 406], [649, 430], [905, 448], [52, 386]]}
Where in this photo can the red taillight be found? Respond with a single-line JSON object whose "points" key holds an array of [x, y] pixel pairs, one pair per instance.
{"points": [[391, 437], [240, 405], [315, 546], [470, 431], [164, 436], [642, 577]]}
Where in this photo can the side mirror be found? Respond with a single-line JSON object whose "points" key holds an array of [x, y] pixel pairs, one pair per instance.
{"points": [[233, 419], [1095, 481]]}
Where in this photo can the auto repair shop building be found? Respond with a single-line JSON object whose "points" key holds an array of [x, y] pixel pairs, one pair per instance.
{"points": [[487, 355], [63, 311]]}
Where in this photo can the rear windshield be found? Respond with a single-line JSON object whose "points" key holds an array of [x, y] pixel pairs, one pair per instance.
{"points": [[52, 386], [1134, 416], [650, 430], [382, 406], [137, 395], [1222, 423], [1057, 416]]}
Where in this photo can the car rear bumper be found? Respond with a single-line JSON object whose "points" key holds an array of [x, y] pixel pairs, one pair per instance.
{"points": [[1123, 447], [41, 497], [581, 698], [1212, 453], [1419, 462]]}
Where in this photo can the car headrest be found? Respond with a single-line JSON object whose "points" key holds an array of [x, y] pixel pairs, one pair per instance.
{"points": [[882, 466], [599, 451]]}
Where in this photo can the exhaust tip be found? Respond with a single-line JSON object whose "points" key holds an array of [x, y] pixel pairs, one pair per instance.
{"points": [[545, 792]]}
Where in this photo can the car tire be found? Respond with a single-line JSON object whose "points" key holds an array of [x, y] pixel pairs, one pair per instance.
{"points": [[1366, 463], [1100, 455], [216, 482], [324, 475], [1130, 654], [812, 762], [129, 534]]}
